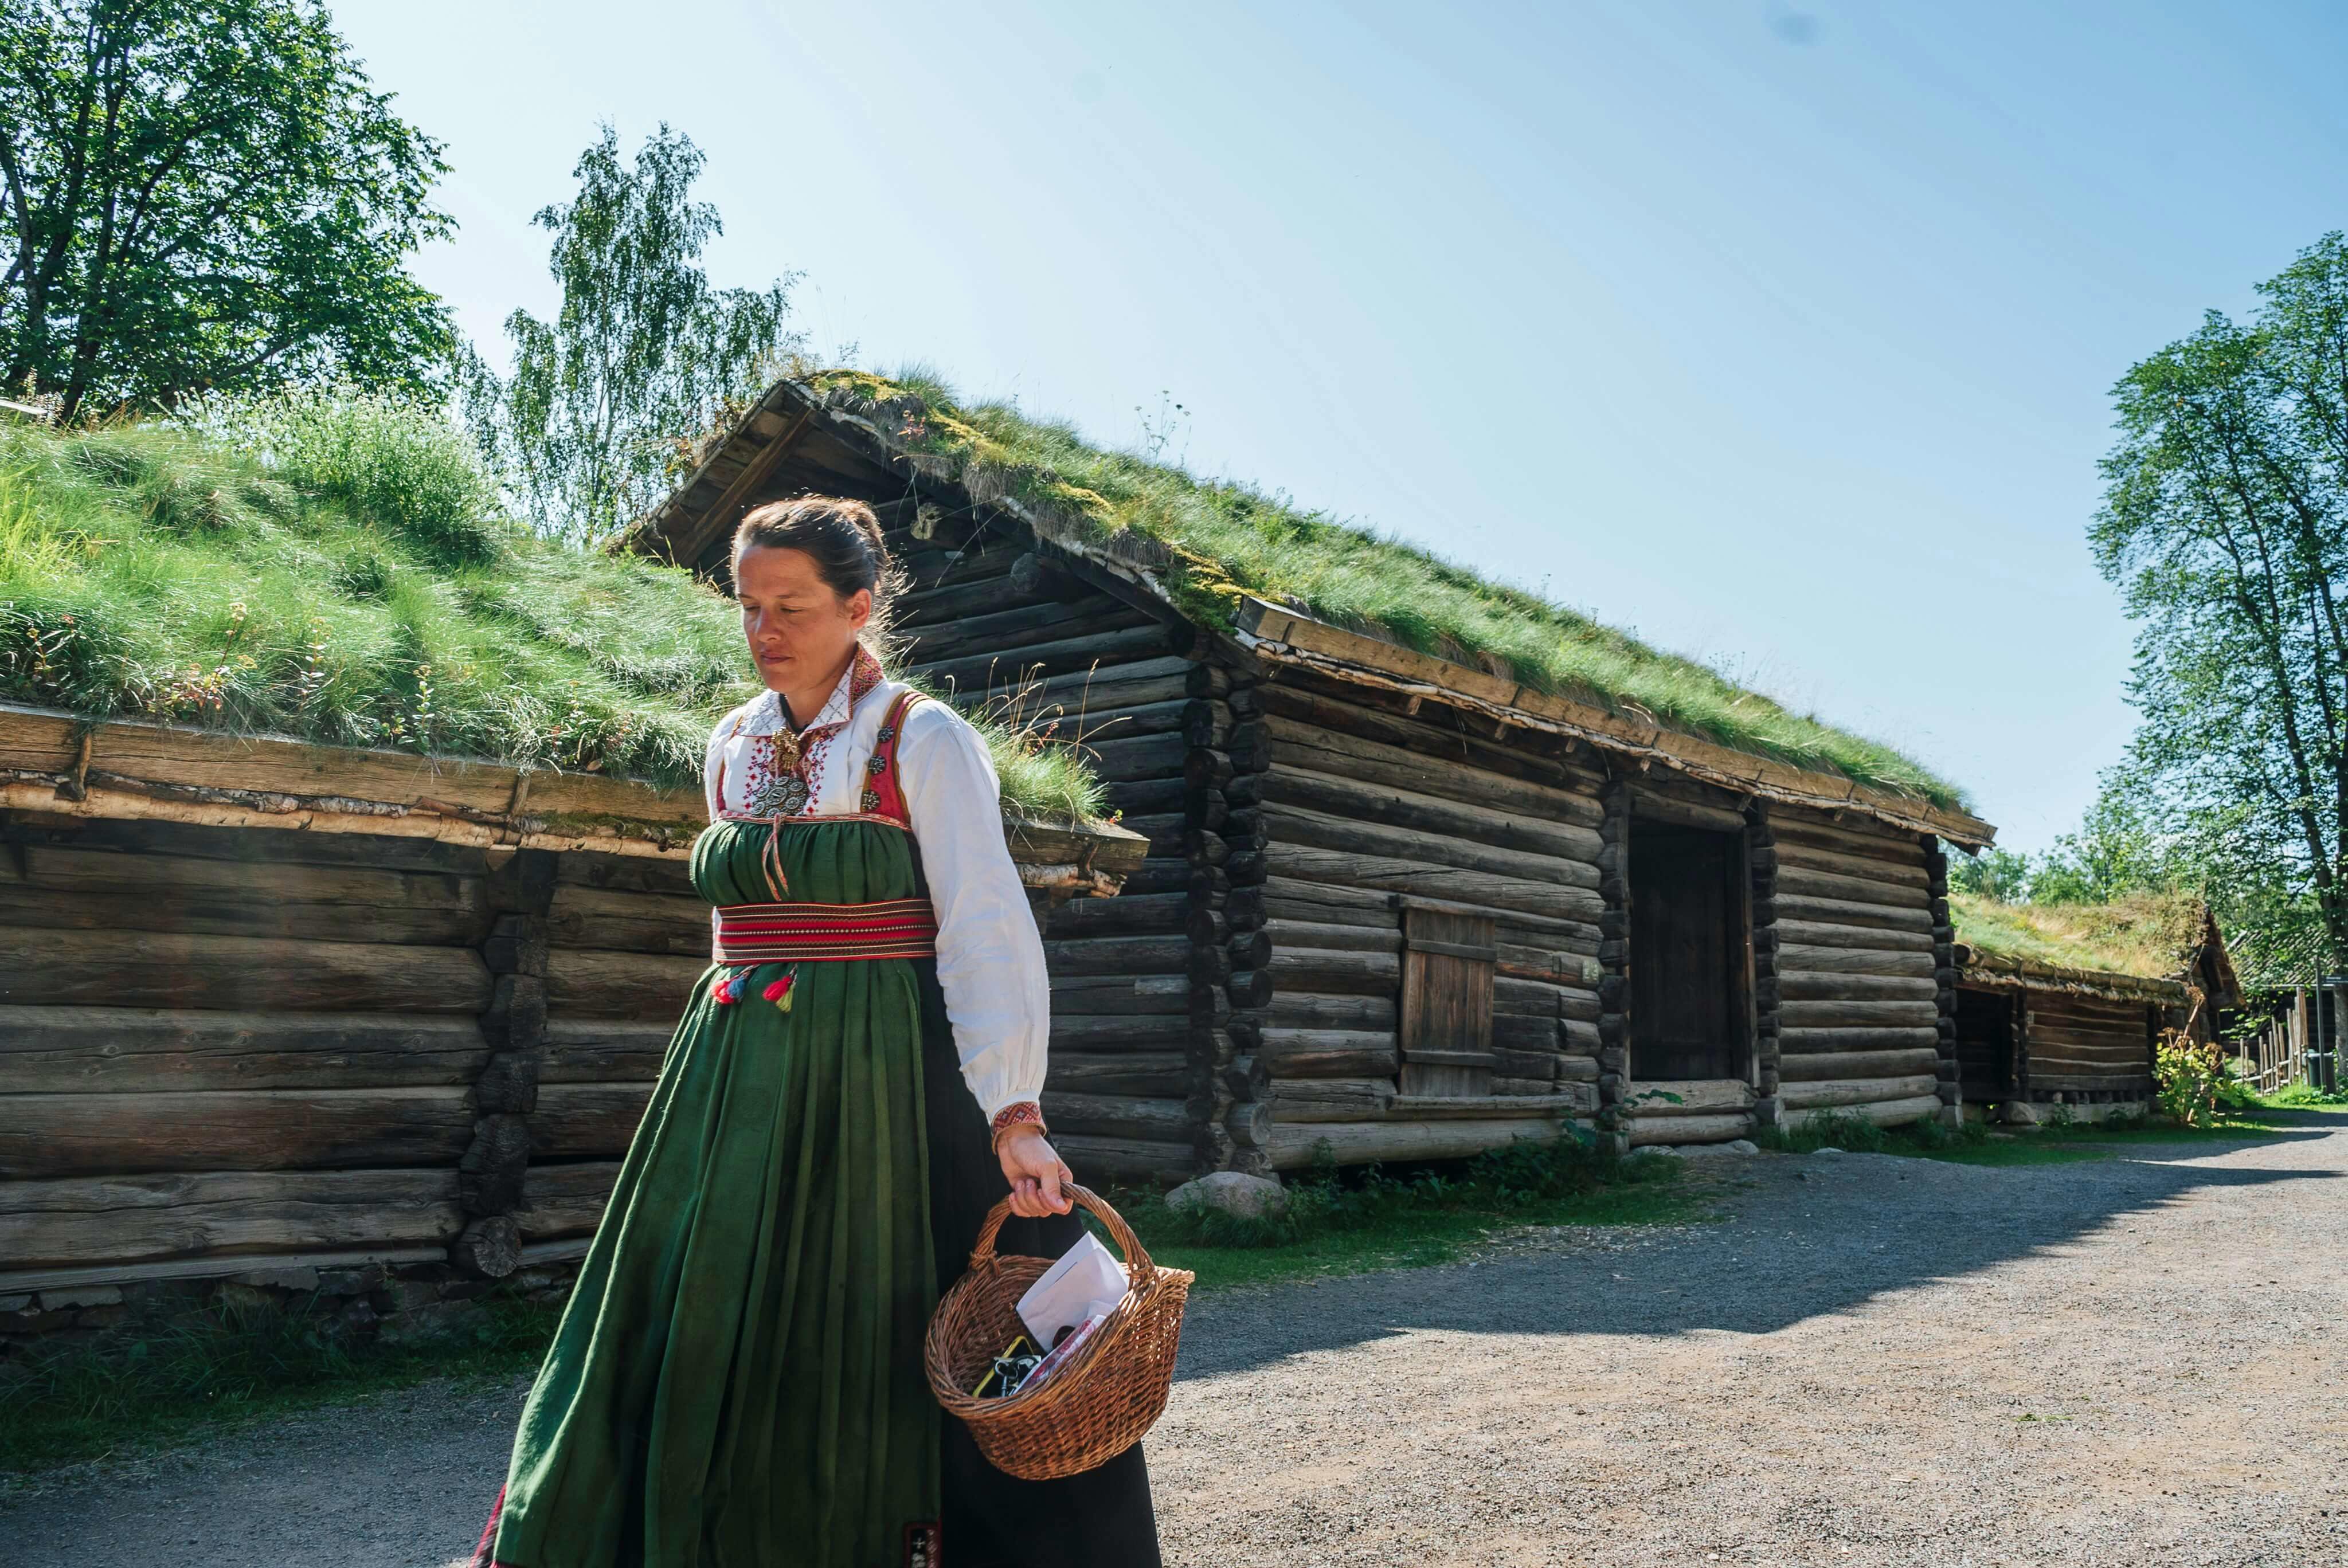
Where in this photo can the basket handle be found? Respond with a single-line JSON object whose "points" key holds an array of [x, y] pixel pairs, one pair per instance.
{"points": [[1139, 1269]]}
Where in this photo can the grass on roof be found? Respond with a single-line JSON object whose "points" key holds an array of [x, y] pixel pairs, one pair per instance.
{"points": [[1233, 538], [2148, 935], [339, 568]]}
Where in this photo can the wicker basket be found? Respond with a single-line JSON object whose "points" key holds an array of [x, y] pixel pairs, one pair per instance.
{"points": [[1096, 1405]]}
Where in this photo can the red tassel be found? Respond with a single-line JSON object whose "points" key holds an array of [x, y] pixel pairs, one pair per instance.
{"points": [[779, 991], [727, 990]]}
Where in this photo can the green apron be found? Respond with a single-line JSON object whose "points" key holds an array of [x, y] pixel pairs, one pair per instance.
{"points": [[736, 1380]]}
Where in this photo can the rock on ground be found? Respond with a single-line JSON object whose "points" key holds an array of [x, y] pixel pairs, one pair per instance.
{"points": [[2133, 1362]]}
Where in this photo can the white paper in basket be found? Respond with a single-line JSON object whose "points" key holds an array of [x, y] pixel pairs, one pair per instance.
{"points": [[1087, 1282]]}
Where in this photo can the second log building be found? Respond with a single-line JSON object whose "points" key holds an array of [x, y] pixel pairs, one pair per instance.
{"points": [[1398, 905]]}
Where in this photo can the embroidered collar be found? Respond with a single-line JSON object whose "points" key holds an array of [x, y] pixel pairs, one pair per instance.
{"points": [[765, 715]]}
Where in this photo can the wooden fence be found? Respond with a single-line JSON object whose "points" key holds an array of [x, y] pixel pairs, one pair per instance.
{"points": [[2299, 1045]]}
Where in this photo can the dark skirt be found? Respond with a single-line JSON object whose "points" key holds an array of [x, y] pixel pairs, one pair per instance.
{"points": [[1101, 1519]]}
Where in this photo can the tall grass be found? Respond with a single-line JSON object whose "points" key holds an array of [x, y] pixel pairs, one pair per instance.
{"points": [[339, 567], [1231, 539]]}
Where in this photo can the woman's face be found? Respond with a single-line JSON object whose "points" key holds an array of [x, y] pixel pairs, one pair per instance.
{"points": [[801, 633]]}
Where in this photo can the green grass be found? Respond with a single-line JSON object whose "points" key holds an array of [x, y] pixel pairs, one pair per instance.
{"points": [[339, 568], [2302, 1097], [131, 1395], [1362, 1219], [1976, 1144], [1230, 538], [2149, 935]]}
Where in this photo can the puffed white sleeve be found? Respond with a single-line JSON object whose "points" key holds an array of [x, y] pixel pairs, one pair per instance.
{"points": [[990, 956], [712, 778]]}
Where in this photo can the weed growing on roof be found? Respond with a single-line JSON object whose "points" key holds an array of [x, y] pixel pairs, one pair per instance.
{"points": [[338, 569], [2145, 933], [1228, 540]]}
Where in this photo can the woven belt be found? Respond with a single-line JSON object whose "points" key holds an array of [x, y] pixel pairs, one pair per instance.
{"points": [[801, 933]]}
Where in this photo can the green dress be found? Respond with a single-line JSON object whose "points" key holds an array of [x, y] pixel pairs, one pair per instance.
{"points": [[730, 1385]]}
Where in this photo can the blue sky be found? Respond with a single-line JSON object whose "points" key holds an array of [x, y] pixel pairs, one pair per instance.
{"points": [[1780, 334]]}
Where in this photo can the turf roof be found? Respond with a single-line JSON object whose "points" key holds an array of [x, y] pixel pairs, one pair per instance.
{"points": [[1230, 539], [2151, 936], [339, 569]]}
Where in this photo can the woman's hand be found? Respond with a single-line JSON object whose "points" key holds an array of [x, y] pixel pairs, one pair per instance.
{"points": [[1036, 1172]]}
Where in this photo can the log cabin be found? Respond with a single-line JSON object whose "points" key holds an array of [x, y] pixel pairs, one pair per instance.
{"points": [[2063, 1005], [279, 1017], [1402, 899]]}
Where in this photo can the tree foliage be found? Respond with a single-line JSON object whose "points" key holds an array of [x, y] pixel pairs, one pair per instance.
{"points": [[2225, 524], [644, 354], [205, 194]]}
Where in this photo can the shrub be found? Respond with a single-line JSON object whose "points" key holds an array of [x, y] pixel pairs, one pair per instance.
{"points": [[2188, 1077]]}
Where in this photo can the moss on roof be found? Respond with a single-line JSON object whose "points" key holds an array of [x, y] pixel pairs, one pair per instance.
{"points": [[2149, 935], [339, 569], [1230, 539]]}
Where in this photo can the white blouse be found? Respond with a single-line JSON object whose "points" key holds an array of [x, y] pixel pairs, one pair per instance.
{"points": [[990, 956]]}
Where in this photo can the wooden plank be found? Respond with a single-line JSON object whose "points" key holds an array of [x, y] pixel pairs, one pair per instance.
{"points": [[1794, 1042], [1322, 830], [1324, 1011], [1159, 1074], [584, 917], [1810, 986], [1408, 810], [1580, 1100], [1845, 912], [44, 1135], [1327, 1053], [1695, 1097], [1837, 1014], [1799, 1067], [1883, 1113], [1804, 934], [1446, 1032], [1797, 882], [137, 1050], [1900, 867], [155, 969], [216, 1265], [91, 1220], [1099, 1161], [1800, 958], [565, 1200], [1395, 875]]}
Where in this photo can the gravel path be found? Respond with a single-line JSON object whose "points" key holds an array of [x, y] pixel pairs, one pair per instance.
{"points": [[1874, 1360]]}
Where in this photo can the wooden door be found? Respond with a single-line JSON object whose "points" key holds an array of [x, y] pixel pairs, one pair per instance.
{"points": [[1448, 958], [1687, 954]]}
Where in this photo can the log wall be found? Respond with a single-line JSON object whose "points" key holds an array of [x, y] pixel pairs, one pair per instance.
{"points": [[1861, 969], [1139, 982], [1365, 802]]}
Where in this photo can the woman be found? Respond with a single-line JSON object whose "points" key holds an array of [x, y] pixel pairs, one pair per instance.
{"points": [[738, 1379]]}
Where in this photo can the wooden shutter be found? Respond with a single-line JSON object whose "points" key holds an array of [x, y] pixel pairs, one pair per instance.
{"points": [[1448, 957]]}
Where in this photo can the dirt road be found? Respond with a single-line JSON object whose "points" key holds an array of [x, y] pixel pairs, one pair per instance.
{"points": [[1873, 1360]]}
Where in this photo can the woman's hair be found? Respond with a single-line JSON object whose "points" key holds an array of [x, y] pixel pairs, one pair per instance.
{"points": [[840, 536]]}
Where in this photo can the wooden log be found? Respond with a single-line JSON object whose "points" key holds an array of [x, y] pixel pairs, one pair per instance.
{"points": [[137, 1050], [1111, 687], [996, 670], [163, 969], [1648, 1131], [1115, 993], [1333, 939], [589, 983], [91, 1220], [1694, 1097], [1578, 1069], [1792, 1043], [1793, 824], [1646, 805], [1292, 1145], [1810, 986], [1081, 1032], [1437, 815], [1815, 1095], [1157, 1074], [602, 1050], [1805, 959], [1153, 915], [1099, 1161], [1391, 874], [1119, 956], [565, 1200], [1004, 632], [1827, 1065], [1297, 1053], [1310, 1010], [1807, 934], [1330, 902], [584, 918], [1353, 742], [156, 836], [586, 1120], [1316, 971], [231, 1129], [1142, 757], [213, 1267], [1846, 912], [1117, 1116], [1324, 830], [69, 886], [1904, 870], [1800, 882], [1883, 1113], [1330, 1099], [1831, 1014]]}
